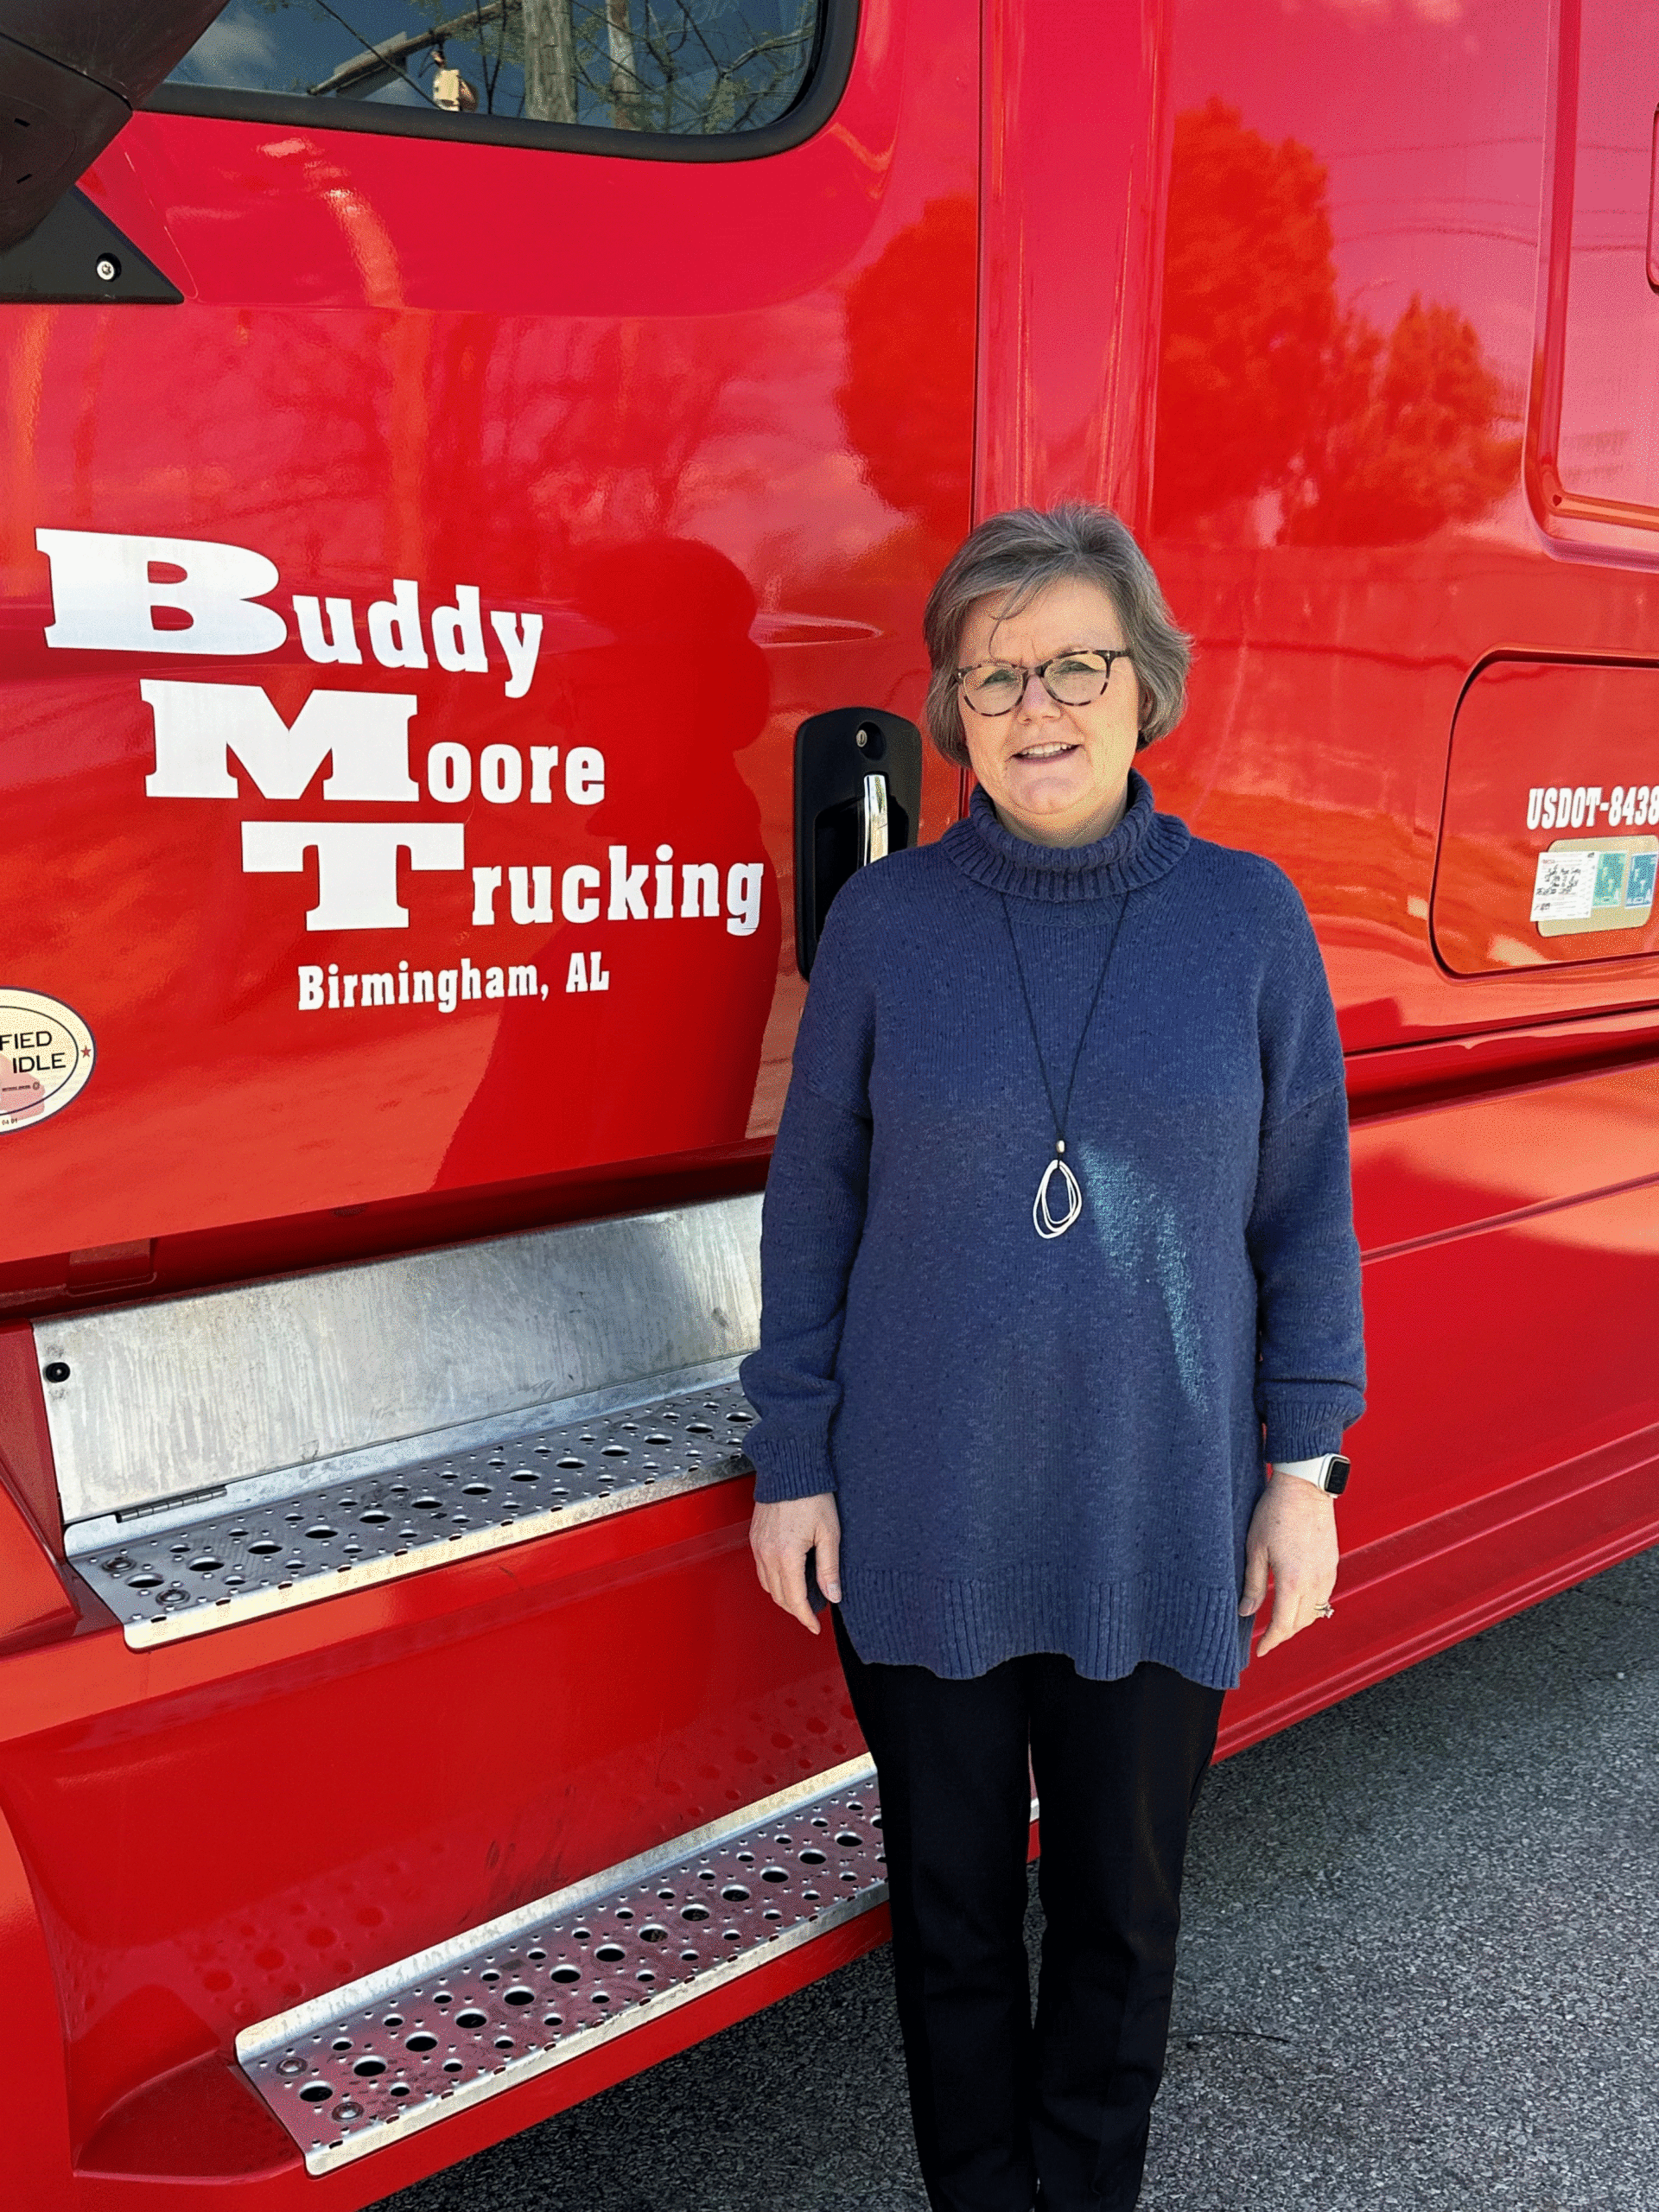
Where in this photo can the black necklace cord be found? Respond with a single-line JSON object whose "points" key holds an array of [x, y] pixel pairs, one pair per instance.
{"points": [[1059, 1115]]}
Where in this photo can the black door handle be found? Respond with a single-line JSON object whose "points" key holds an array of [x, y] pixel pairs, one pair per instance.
{"points": [[858, 795]]}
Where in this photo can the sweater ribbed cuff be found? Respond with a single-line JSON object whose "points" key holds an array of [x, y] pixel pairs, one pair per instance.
{"points": [[789, 1469], [1305, 1429]]}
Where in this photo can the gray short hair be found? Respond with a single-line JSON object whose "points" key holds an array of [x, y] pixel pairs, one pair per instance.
{"points": [[1021, 553]]}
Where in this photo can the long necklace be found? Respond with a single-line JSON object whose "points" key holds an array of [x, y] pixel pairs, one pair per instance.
{"points": [[1049, 1222]]}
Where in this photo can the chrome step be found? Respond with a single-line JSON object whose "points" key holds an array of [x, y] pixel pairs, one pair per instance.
{"points": [[368, 2064], [271, 1541]]}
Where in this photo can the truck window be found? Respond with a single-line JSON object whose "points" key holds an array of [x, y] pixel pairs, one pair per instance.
{"points": [[688, 70]]}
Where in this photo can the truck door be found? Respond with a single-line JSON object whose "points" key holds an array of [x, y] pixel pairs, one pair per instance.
{"points": [[409, 626]]}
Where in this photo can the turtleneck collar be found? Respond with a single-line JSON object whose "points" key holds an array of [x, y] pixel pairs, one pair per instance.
{"points": [[1143, 847]]}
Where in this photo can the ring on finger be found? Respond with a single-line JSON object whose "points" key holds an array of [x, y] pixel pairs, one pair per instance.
{"points": [[1324, 1613]]}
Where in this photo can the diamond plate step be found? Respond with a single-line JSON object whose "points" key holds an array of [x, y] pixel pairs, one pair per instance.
{"points": [[274, 1541], [368, 2064]]}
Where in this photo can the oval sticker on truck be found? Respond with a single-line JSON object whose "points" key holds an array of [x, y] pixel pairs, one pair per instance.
{"points": [[45, 1055]]}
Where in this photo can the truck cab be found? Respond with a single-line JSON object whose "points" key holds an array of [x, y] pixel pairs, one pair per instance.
{"points": [[474, 484]]}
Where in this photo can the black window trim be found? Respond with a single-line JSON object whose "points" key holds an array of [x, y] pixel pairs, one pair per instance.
{"points": [[820, 95]]}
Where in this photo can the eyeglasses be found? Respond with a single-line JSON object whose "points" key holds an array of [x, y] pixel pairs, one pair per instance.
{"points": [[996, 686]]}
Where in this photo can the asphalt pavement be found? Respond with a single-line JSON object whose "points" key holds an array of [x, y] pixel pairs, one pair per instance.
{"points": [[1419, 1974]]}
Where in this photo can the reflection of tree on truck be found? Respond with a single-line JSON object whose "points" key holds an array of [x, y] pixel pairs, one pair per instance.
{"points": [[1357, 438]]}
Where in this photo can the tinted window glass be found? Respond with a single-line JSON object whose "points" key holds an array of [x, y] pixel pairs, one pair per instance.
{"points": [[682, 67]]}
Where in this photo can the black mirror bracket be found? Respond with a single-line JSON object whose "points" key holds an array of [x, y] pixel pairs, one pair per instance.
{"points": [[51, 114], [76, 254], [72, 71]]}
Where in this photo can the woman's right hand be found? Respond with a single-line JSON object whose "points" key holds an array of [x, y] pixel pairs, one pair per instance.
{"points": [[780, 1536]]}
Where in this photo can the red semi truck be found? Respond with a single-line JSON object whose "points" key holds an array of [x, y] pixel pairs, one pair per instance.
{"points": [[473, 477]]}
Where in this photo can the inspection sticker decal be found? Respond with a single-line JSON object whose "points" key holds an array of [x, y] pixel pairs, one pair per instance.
{"points": [[45, 1055], [1583, 885]]}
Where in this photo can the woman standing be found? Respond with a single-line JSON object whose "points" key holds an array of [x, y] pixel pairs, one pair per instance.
{"points": [[1057, 1260]]}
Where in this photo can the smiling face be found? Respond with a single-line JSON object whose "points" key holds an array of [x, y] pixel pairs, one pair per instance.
{"points": [[1057, 775]]}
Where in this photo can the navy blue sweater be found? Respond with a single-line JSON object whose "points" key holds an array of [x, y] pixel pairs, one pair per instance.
{"points": [[1057, 1445]]}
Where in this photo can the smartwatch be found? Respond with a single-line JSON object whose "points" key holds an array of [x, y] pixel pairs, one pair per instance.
{"points": [[1329, 1474]]}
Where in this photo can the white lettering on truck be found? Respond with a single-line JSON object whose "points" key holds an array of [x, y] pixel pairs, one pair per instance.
{"points": [[105, 594], [356, 992], [199, 725], [458, 633], [108, 589], [521, 640], [357, 864], [112, 592], [1577, 806]]}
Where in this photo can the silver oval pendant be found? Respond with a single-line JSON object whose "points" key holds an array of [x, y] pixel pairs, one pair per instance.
{"points": [[1047, 1222]]}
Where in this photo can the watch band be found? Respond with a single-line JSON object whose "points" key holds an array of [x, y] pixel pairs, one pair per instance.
{"points": [[1329, 1473]]}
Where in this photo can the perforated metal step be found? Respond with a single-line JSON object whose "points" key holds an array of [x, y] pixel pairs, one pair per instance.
{"points": [[401, 2049], [276, 1540]]}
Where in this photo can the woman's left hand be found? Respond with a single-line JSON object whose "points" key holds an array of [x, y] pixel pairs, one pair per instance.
{"points": [[782, 1538], [1294, 1538]]}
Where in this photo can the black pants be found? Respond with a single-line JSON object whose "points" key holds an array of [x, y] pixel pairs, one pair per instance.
{"points": [[1008, 2113]]}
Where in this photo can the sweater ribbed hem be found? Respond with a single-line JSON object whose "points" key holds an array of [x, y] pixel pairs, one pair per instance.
{"points": [[958, 1627], [1142, 849], [1306, 1428], [787, 1468]]}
